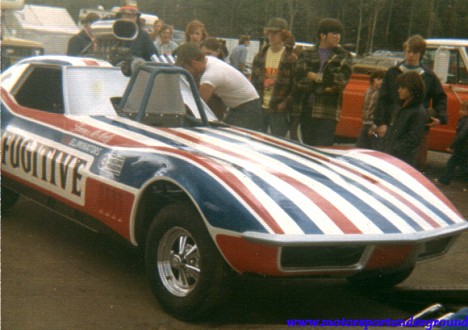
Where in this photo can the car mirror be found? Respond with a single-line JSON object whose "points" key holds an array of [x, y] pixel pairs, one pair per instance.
{"points": [[441, 63]]}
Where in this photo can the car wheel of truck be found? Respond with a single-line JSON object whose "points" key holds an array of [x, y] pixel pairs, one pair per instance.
{"points": [[9, 198], [187, 273], [380, 279]]}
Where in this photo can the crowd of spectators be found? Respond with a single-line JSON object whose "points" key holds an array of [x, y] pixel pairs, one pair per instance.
{"points": [[288, 87]]}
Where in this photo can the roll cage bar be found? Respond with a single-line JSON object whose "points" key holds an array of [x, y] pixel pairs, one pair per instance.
{"points": [[145, 77]]}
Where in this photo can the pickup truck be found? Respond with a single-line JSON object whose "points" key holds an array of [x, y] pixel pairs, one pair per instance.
{"points": [[12, 48], [449, 59]]}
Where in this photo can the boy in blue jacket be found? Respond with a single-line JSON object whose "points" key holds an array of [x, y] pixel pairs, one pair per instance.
{"points": [[408, 123]]}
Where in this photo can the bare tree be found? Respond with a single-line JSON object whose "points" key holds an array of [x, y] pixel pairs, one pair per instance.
{"points": [[293, 8], [411, 19], [376, 9], [389, 20], [359, 27], [432, 14]]}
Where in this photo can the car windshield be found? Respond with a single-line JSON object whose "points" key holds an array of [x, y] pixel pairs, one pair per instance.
{"points": [[88, 90]]}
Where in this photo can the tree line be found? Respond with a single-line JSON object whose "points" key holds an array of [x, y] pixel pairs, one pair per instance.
{"points": [[369, 24]]}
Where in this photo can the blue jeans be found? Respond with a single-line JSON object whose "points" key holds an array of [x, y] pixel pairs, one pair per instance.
{"points": [[278, 122], [247, 115], [367, 141], [318, 131], [457, 159]]}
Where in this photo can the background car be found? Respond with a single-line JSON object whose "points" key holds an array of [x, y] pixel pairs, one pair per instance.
{"points": [[379, 60]]}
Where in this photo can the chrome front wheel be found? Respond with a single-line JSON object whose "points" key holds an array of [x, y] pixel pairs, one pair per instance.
{"points": [[187, 273], [178, 261]]}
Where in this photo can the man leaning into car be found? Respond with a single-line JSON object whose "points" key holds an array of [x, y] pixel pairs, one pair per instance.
{"points": [[219, 78]]}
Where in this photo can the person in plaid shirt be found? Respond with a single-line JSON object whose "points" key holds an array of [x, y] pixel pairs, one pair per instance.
{"points": [[368, 137], [320, 78], [272, 73]]}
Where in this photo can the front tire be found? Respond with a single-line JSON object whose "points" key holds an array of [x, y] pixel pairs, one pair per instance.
{"points": [[187, 274]]}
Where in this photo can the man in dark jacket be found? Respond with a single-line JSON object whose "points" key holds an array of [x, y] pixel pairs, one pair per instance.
{"points": [[84, 41], [435, 99], [142, 46], [320, 78]]}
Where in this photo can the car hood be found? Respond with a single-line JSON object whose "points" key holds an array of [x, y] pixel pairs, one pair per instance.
{"points": [[293, 189]]}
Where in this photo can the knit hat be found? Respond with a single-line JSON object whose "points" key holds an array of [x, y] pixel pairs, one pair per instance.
{"points": [[90, 18], [129, 9], [276, 24]]}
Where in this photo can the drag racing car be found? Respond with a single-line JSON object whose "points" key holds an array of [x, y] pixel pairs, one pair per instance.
{"points": [[143, 158]]}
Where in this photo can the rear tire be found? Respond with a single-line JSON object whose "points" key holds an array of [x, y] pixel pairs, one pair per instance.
{"points": [[380, 279], [187, 274]]}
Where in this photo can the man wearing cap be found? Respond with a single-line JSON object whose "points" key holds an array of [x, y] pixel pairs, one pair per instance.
{"points": [[272, 74], [320, 78], [219, 78], [142, 46], [84, 41]]}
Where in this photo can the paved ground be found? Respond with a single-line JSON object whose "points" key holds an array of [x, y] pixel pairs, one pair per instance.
{"points": [[58, 275]]}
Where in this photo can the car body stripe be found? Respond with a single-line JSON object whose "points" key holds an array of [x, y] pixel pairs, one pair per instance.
{"points": [[398, 189], [386, 226], [411, 188], [334, 213], [58, 122], [415, 225]]}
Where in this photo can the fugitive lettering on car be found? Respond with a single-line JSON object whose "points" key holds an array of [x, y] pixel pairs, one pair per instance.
{"points": [[45, 163]]}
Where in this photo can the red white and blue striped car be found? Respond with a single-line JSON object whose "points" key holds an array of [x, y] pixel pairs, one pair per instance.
{"points": [[145, 159]]}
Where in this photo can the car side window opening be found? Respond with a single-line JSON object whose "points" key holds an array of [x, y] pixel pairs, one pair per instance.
{"points": [[42, 90], [457, 71]]}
